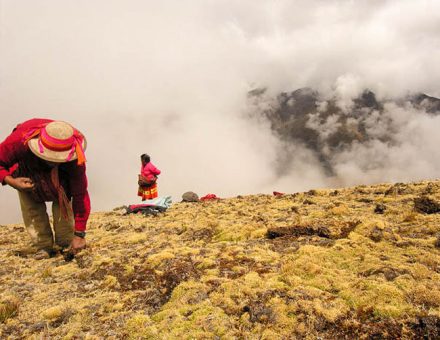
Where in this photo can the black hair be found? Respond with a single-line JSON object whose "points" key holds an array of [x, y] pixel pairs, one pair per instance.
{"points": [[145, 158]]}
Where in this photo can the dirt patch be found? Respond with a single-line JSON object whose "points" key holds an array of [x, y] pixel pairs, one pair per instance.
{"points": [[333, 232], [425, 205], [24, 252], [380, 208], [239, 266], [176, 271], [308, 202], [365, 200], [259, 309], [388, 329], [363, 324], [295, 231], [259, 312], [285, 245], [204, 234], [427, 327], [388, 272], [149, 301], [154, 286], [376, 234]]}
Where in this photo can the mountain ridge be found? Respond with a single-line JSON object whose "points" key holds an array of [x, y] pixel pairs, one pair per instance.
{"points": [[330, 126]]}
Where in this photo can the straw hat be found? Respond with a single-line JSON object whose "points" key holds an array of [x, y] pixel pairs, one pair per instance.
{"points": [[58, 142]]}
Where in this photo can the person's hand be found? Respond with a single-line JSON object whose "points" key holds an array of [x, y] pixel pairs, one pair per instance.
{"points": [[78, 243], [20, 183]]}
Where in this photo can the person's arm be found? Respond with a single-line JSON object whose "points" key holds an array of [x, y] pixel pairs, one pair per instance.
{"points": [[80, 196], [80, 204], [155, 171], [11, 150]]}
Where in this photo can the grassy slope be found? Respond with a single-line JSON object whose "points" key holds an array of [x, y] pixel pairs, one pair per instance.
{"points": [[334, 268]]}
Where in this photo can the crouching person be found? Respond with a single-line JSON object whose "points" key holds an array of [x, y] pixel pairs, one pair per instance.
{"points": [[44, 161]]}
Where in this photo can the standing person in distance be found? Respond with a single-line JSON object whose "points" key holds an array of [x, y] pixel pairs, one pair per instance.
{"points": [[147, 179]]}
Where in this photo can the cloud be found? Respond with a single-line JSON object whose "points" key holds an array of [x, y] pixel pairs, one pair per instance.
{"points": [[170, 78]]}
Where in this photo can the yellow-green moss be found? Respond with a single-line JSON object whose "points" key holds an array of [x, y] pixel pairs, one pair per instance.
{"points": [[202, 271], [140, 326]]}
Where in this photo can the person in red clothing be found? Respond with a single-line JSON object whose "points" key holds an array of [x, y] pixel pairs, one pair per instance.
{"points": [[44, 161], [147, 179]]}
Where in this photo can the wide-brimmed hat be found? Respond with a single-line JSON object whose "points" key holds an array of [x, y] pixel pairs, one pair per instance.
{"points": [[57, 142]]}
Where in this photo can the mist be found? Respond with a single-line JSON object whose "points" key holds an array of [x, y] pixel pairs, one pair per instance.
{"points": [[171, 79]]}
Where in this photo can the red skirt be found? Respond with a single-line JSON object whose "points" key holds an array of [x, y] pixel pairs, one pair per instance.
{"points": [[148, 192]]}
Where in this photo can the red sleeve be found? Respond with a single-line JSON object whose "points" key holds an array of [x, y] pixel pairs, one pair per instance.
{"points": [[154, 170], [11, 150], [80, 196]]}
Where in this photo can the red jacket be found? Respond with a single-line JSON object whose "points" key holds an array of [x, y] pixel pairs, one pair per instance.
{"points": [[149, 171], [72, 176]]}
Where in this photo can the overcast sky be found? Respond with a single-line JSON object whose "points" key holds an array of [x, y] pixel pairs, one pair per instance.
{"points": [[170, 78]]}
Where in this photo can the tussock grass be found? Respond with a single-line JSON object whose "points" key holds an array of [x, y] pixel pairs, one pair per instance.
{"points": [[9, 308], [335, 266]]}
